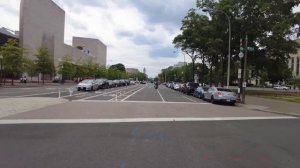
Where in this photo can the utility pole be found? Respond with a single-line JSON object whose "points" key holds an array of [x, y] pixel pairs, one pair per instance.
{"points": [[245, 70]]}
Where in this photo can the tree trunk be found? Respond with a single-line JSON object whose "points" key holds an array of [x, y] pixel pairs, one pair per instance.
{"points": [[193, 69]]}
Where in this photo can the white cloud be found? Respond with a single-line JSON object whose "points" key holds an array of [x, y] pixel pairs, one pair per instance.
{"points": [[105, 22]]}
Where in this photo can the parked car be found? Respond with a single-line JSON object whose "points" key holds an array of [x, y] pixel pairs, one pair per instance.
{"points": [[182, 87], [127, 82], [177, 86], [117, 83], [87, 85], [281, 88], [199, 92], [190, 88], [215, 94], [111, 83], [102, 83]]}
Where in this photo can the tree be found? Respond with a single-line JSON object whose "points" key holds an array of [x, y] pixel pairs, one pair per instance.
{"points": [[12, 58], [194, 37], [270, 26], [44, 63], [66, 67], [119, 67], [30, 67]]}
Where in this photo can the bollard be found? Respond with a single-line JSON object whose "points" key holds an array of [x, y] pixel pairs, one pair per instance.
{"points": [[59, 93], [71, 91]]}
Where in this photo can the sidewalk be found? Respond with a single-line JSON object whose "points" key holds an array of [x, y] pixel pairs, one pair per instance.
{"points": [[23, 85], [11, 106], [270, 105]]}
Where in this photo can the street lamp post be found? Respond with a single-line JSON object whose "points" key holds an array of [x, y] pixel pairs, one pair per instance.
{"points": [[229, 42], [1, 59], [241, 55]]}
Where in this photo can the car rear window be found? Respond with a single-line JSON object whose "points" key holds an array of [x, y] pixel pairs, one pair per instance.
{"points": [[194, 84], [205, 88], [224, 90]]}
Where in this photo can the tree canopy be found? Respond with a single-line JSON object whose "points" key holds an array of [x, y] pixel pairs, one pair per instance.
{"points": [[271, 27]]}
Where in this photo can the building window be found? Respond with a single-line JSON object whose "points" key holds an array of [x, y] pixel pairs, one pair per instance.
{"points": [[298, 64]]}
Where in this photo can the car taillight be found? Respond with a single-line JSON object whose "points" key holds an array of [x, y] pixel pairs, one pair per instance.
{"points": [[220, 94]]}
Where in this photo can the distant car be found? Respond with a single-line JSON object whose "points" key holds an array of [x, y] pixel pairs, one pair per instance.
{"points": [[143, 82], [87, 85], [176, 86], [281, 88], [215, 94], [111, 83], [123, 82], [190, 88], [199, 92], [132, 82], [102, 83], [117, 83]]}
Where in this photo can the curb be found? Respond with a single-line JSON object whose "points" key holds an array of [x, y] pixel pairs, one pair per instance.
{"points": [[271, 111]]}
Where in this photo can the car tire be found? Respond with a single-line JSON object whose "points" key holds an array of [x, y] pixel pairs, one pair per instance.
{"points": [[232, 104], [78, 89]]}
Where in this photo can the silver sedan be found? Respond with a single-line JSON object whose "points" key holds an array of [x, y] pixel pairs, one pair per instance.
{"points": [[87, 85], [215, 94]]}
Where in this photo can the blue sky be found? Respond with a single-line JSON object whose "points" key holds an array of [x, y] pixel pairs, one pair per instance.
{"points": [[138, 33]]}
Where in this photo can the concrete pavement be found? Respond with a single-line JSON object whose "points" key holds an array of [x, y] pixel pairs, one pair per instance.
{"points": [[270, 105], [13, 106]]}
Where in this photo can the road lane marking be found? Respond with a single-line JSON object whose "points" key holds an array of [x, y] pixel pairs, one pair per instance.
{"points": [[160, 96], [116, 96], [97, 95], [133, 120], [37, 94], [190, 99], [150, 102], [133, 93]]}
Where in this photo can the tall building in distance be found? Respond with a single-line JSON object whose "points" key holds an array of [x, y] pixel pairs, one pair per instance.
{"points": [[144, 70], [42, 24]]}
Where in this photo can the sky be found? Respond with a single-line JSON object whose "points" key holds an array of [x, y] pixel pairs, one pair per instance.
{"points": [[138, 33]]}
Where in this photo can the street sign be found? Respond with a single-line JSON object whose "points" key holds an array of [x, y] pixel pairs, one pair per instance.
{"points": [[250, 49], [244, 84]]}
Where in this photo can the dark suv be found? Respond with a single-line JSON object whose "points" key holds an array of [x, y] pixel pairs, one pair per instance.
{"points": [[190, 87]]}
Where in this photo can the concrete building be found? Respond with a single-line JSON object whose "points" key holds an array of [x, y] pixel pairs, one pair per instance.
{"points": [[42, 24], [6, 34], [132, 70]]}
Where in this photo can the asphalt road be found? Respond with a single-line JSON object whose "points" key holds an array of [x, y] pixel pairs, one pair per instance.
{"points": [[226, 144], [139, 126], [127, 93]]}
